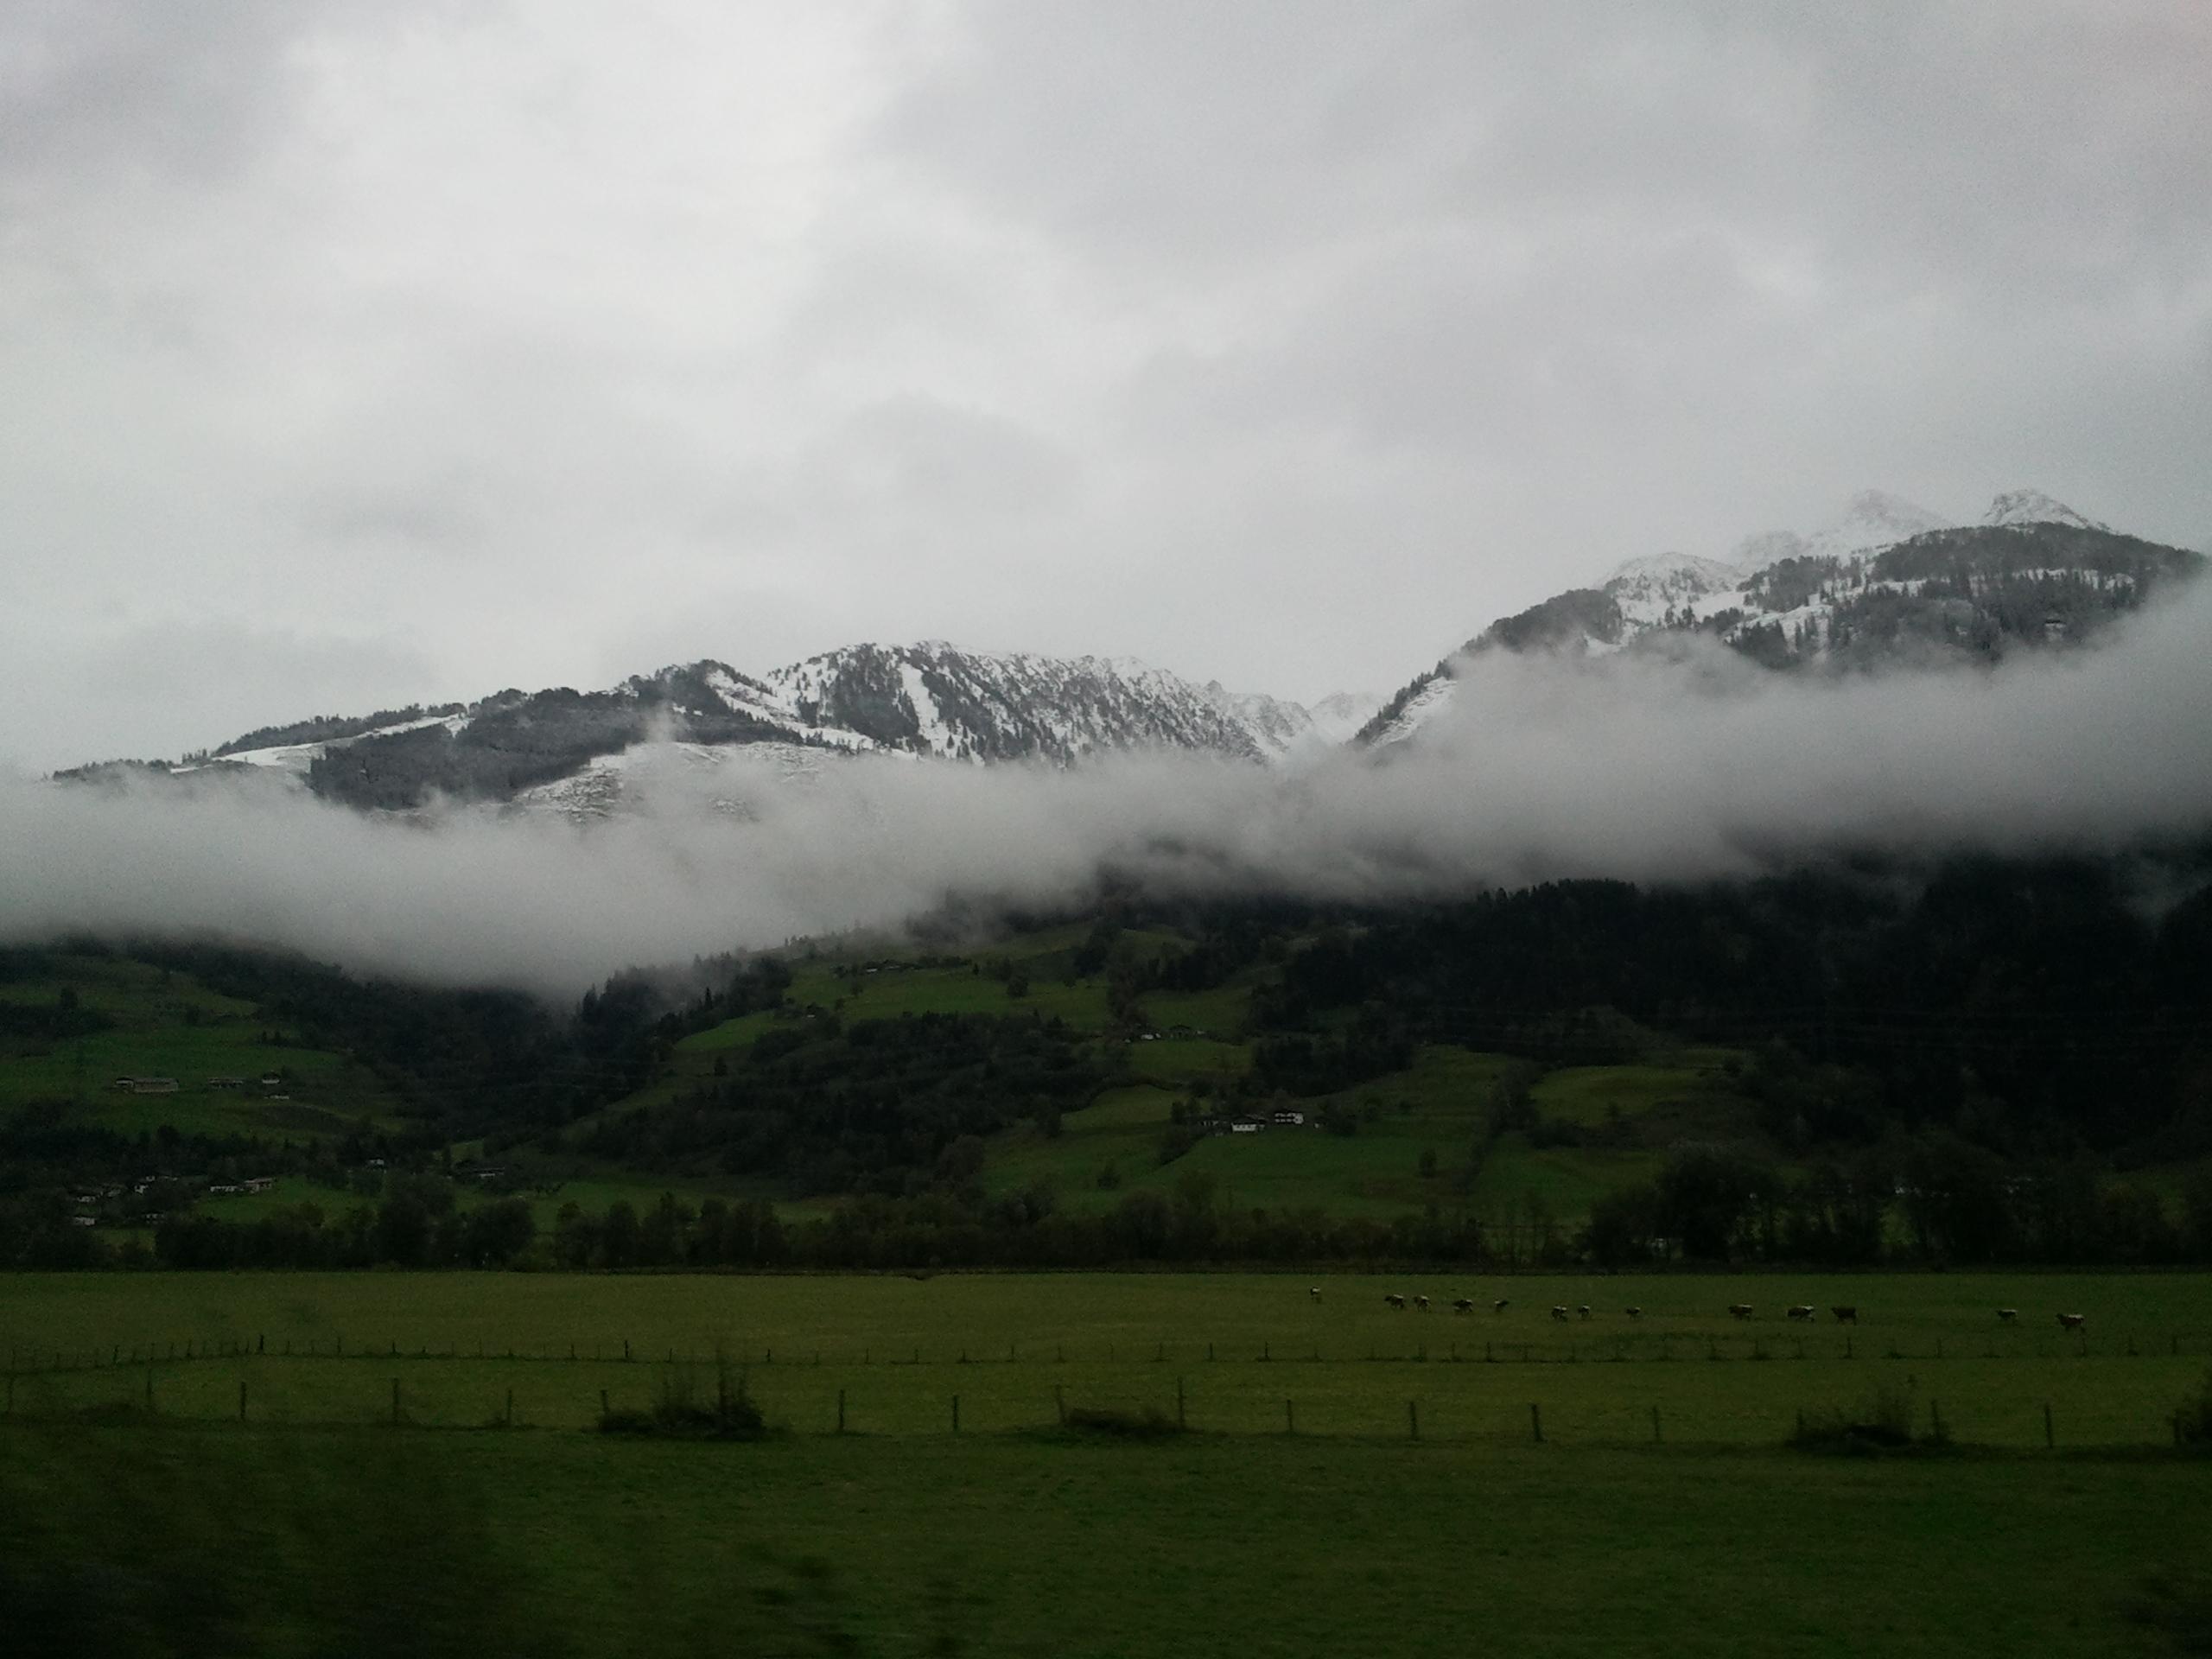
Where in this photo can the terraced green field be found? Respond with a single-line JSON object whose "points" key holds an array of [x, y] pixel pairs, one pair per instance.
{"points": [[167, 1024]]}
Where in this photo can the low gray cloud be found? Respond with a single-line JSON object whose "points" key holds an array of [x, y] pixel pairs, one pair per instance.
{"points": [[1651, 770]]}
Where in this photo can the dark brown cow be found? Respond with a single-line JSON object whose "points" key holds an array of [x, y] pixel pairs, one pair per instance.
{"points": [[1559, 1312], [1845, 1315], [1633, 1313], [1582, 1312], [1500, 1306], [1464, 1305], [2071, 1321], [1740, 1310], [1801, 1311], [1315, 1293], [2008, 1315], [1421, 1302]]}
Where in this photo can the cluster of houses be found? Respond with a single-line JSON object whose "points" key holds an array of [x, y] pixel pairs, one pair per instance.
{"points": [[1251, 1122], [92, 1199], [1171, 1031], [168, 1085]]}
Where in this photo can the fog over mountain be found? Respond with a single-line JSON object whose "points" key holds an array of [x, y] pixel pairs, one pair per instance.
{"points": [[1693, 765]]}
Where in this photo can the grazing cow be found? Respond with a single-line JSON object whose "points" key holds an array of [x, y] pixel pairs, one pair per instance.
{"points": [[2008, 1315], [1633, 1313], [1739, 1310], [1559, 1311], [1583, 1311], [1315, 1293], [2071, 1321], [1421, 1302], [1845, 1315], [1801, 1311], [1394, 1301], [1464, 1305], [1500, 1306]]}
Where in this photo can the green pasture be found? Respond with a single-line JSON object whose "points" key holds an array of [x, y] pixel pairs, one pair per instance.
{"points": [[170, 1025], [1566, 1180], [327, 1348], [1437, 1105], [1690, 1092], [888, 993]]}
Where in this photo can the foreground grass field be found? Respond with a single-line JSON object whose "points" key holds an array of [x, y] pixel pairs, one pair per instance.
{"points": [[127, 1539], [492, 1519]]}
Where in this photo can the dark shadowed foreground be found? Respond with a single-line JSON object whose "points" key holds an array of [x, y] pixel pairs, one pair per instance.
{"points": [[127, 1539]]}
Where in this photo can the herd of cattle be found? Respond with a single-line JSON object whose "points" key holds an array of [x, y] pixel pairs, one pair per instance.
{"points": [[1843, 1313]]}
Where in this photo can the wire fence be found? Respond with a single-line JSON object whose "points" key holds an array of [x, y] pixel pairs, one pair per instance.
{"points": [[30, 1361], [1675, 1390]]}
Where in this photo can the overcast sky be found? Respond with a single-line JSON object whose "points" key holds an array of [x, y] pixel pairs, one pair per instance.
{"points": [[355, 351]]}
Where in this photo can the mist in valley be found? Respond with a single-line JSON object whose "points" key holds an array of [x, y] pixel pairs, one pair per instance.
{"points": [[1690, 767]]}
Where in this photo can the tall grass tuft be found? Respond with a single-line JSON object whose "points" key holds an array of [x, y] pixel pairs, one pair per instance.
{"points": [[1882, 1422], [682, 1410]]}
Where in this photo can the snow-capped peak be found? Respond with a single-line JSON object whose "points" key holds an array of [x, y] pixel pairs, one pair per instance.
{"points": [[2034, 508], [1675, 573], [1873, 518]]}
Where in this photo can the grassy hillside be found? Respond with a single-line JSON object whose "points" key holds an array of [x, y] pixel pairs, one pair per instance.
{"points": [[1421, 1137], [157, 1022]]}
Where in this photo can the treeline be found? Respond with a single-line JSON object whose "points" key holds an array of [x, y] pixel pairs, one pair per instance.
{"points": [[1933, 1202], [878, 1105], [2034, 1007], [464, 1061]]}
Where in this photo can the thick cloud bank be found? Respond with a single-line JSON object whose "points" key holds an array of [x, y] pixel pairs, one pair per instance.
{"points": [[1685, 769]]}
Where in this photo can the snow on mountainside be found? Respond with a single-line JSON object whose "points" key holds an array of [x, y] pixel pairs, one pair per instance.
{"points": [[681, 727], [934, 699], [2034, 508], [1886, 581], [1647, 589], [1872, 520], [1339, 716]]}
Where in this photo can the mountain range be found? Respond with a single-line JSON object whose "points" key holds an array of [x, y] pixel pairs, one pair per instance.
{"points": [[1887, 584]]}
